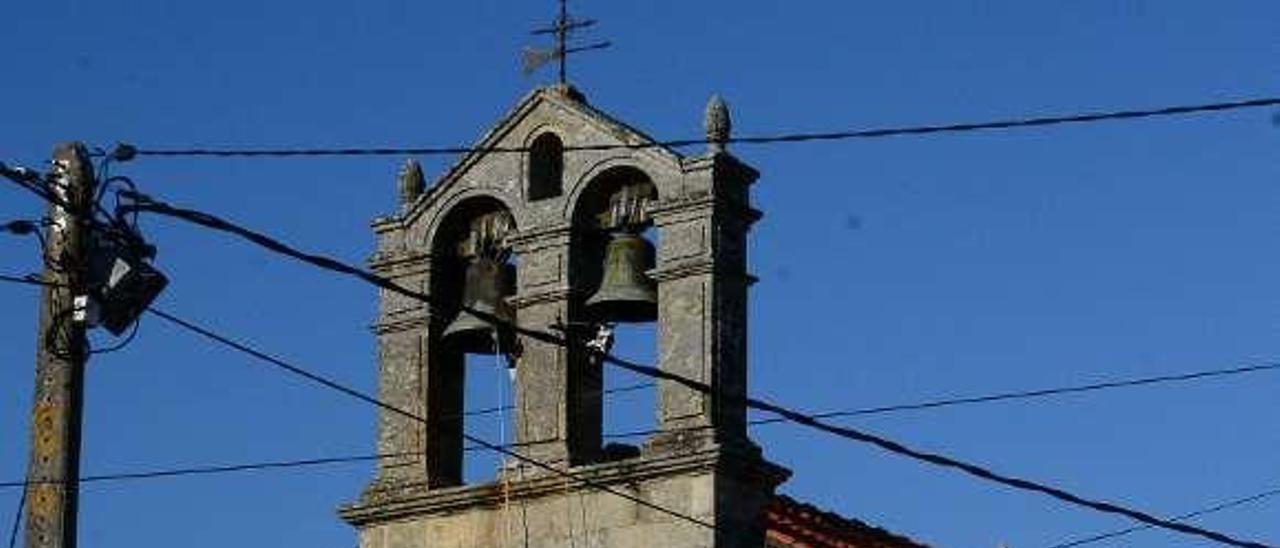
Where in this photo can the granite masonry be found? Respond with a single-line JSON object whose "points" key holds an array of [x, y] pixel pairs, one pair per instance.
{"points": [[699, 463]]}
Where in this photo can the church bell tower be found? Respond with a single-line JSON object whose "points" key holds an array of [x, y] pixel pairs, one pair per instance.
{"points": [[548, 224]]}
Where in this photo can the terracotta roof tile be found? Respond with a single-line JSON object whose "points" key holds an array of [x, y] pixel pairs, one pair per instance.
{"points": [[793, 524]]}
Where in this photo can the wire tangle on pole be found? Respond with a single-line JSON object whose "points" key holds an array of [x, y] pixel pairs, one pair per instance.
{"points": [[105, 228], [872, 133], [145, 203]]}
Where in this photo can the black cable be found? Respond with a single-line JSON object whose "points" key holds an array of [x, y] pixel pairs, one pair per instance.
{"points": [[637, 433], [758, 139], [17, 517], [118, 346], [1006, 396], [31, 181], [333, 385], [29, 279], [210, 221], [948, 462], [1197, 513], [1027, 394], [500, 408], [214, 469]]}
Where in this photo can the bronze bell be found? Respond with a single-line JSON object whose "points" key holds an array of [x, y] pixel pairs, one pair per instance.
{"points": [[488, 284], [626, 293]]}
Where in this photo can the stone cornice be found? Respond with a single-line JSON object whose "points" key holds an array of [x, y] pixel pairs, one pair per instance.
{"points": [[387, 223], [539, 238], [387, 502], [402, 324], [732, 166], [545, 296], [697, 267], [676, 211], [402, 263]]}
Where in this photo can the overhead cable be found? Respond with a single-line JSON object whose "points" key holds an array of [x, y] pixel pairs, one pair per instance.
{"points": [[209, 469], [218, 469], [336, 386], [1202, 512], [17, 516], [840, 135], [147, 204], [26, 280]]}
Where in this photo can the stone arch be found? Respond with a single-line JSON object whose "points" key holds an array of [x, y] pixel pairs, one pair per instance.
{"points": [[590, 244], [604, 173], [445, 385], [590, 199], [451, 205], [544, 164]]}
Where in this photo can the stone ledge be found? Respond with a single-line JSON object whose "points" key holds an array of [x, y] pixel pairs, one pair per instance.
{"points": [[404, 263], [391, 503], [420, 322], [697, 267]]}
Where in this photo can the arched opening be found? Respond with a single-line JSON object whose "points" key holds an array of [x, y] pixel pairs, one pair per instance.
{"points": [[614, 305], [472, 271], [546, 167]]}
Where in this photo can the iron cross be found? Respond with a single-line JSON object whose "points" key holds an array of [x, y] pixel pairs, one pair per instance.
{"points": [[533, 58]]}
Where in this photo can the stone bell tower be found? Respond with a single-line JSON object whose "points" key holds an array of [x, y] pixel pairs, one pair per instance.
{"points": [[553, 239]]}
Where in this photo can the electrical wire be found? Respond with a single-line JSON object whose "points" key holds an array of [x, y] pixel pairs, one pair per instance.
{"points": [[30, 279], [333, 385], [147, 204], [1044, 392], [1030, 394], [1210, 510], [1015, 123], [1005, 396], [17, 516], [212, 469]]}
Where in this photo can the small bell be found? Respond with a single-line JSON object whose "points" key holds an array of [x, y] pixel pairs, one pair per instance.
{"points": [[626, 293], [488, 284]]}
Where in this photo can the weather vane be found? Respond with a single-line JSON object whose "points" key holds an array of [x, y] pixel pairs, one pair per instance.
{"points": [[533, 58]]}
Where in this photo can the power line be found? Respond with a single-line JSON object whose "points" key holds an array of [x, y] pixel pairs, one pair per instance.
{"points": [[1044, 392], [946, 402], [1031, 394], [1014, 123], [27, 280], [210, 221], [30, 280], [333, 385], [17, 516], [210, 469], [1197, 513]]}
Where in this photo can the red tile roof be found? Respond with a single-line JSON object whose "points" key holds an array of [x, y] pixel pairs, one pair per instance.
{"points": [[793, 524]]}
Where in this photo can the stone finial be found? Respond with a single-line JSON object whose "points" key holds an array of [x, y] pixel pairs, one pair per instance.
{"points": [[717, 124], [410, 182]]}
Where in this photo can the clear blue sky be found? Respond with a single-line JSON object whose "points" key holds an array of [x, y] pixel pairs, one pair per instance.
{"points": [[891, 271]]}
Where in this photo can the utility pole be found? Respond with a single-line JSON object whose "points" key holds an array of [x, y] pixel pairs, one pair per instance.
{"points": [[61, 351]]}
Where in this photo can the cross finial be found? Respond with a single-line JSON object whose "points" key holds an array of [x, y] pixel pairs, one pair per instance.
{"points": [[532, 58]]}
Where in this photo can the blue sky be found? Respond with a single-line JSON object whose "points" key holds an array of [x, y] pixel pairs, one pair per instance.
{"points": [[891, 271]]}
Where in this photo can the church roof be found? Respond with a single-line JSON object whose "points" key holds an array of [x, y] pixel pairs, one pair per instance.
{"points": [[793, 524]]}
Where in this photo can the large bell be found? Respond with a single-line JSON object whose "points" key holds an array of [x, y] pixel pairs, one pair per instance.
{"points": [[626, 294], [488, 284]]}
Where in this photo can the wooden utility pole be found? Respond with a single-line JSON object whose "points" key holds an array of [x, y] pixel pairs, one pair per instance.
{"points": [[61, 352]]}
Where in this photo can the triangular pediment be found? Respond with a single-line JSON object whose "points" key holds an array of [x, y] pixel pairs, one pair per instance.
{"points": [[579, 125]]}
